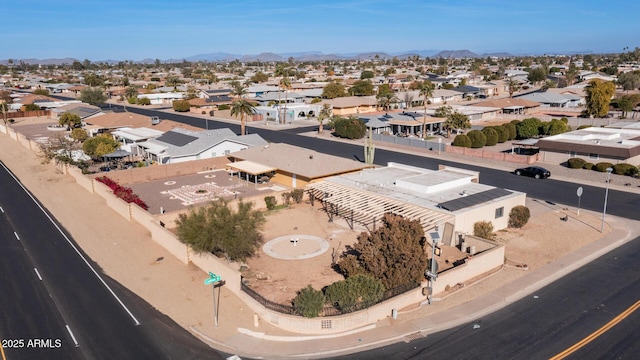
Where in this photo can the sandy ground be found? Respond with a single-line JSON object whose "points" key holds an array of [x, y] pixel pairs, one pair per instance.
{"points": [[126, 253], [545, 238]]}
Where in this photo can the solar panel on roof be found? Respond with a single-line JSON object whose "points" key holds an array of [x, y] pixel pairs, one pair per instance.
{"points": [[472, 200], [176, 139]]}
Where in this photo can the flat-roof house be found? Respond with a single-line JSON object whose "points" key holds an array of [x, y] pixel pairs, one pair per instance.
{"points": [[434, 197], [551, 99], [352, 105], [511, 105], [291, 165], [593, 144]]}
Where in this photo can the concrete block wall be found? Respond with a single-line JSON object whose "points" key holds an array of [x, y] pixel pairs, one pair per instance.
{"points": [[476, 265]]}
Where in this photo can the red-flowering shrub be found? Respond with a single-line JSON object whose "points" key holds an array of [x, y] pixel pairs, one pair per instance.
{"points": [[122, 192]]}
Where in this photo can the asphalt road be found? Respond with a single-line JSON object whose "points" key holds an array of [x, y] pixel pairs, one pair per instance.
{"points": [[620, 203], [548, 322], [78, 311]]}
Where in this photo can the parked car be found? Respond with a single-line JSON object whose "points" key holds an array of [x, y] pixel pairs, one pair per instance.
{"points": [[534, 171]]}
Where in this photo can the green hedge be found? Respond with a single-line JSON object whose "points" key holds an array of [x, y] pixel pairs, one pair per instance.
{"points": [[576, 163], [478, 138], [461, 140], [602, 166], [625, 169], [492, 136], [588, 166]]}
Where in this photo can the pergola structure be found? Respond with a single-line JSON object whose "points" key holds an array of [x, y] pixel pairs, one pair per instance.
{"points": [[366, 208]]}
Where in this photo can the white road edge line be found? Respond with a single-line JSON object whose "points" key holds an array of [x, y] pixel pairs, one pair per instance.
{"points": [[37, 273], [73, 246], [1, 209], [72, 336], [16, 235]]}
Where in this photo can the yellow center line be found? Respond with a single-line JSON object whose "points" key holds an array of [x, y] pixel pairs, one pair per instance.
{"points": [[598, 332]]}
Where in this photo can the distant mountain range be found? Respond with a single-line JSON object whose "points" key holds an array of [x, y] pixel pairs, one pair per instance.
{"points": [[297, 56]]}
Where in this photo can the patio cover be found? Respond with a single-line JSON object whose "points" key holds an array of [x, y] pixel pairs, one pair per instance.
{"points": [[251, 167], [118, 154]]}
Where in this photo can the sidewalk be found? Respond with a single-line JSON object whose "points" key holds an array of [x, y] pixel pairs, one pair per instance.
{"points": [[126, 253]]}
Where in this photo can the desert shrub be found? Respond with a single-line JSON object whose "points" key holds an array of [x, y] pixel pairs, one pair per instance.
{"points": [[181, 105], [355, 293], [79, 134], [492, 136], [309, 302], [286, 198], [31, 107], [461, 140], [132, 100], [519, 216], [144, 101], [271, 202], [224, 107], [297, 195], [583, 127], [602, 166], [511, 127], [478, 138], [588, 166], [625, 169], [503, 133], [350, 128], [576, 163], [483, 229]]}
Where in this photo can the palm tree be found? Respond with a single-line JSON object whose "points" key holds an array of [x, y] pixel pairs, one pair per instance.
{"points": [[237, 89], [513, 86], [426, 91], [285, 83], [280, 71], [324, 113], [243, 108]]}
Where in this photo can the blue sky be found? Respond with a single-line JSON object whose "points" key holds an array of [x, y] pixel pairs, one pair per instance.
{"points": [[138, 29]]}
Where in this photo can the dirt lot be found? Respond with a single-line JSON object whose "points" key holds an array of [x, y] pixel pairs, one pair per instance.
{"points": [[545, 238]]}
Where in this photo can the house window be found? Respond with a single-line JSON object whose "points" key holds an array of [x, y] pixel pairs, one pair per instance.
{"points": [[572, 154], [594, 156], [213, 154], [227, 152], [500, 212]]}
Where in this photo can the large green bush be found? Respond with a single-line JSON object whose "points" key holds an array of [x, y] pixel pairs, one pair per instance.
{"points": [[478, 138], [519, 216], [625, 169], [483, 229], [350, 128], [602, 166], [461, 140], [528, 128], [181, 105], [355, 293], [588, 166], [492, 136], [224, 107], [309, 302], [511, 127], [576, 163], [503, 133]]}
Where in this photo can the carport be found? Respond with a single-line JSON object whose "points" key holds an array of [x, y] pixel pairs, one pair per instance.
{"points": [[258, 171]]}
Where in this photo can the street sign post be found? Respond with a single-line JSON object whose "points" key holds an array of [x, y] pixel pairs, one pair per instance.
{"points": [[216, 281], [579, 193]]}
